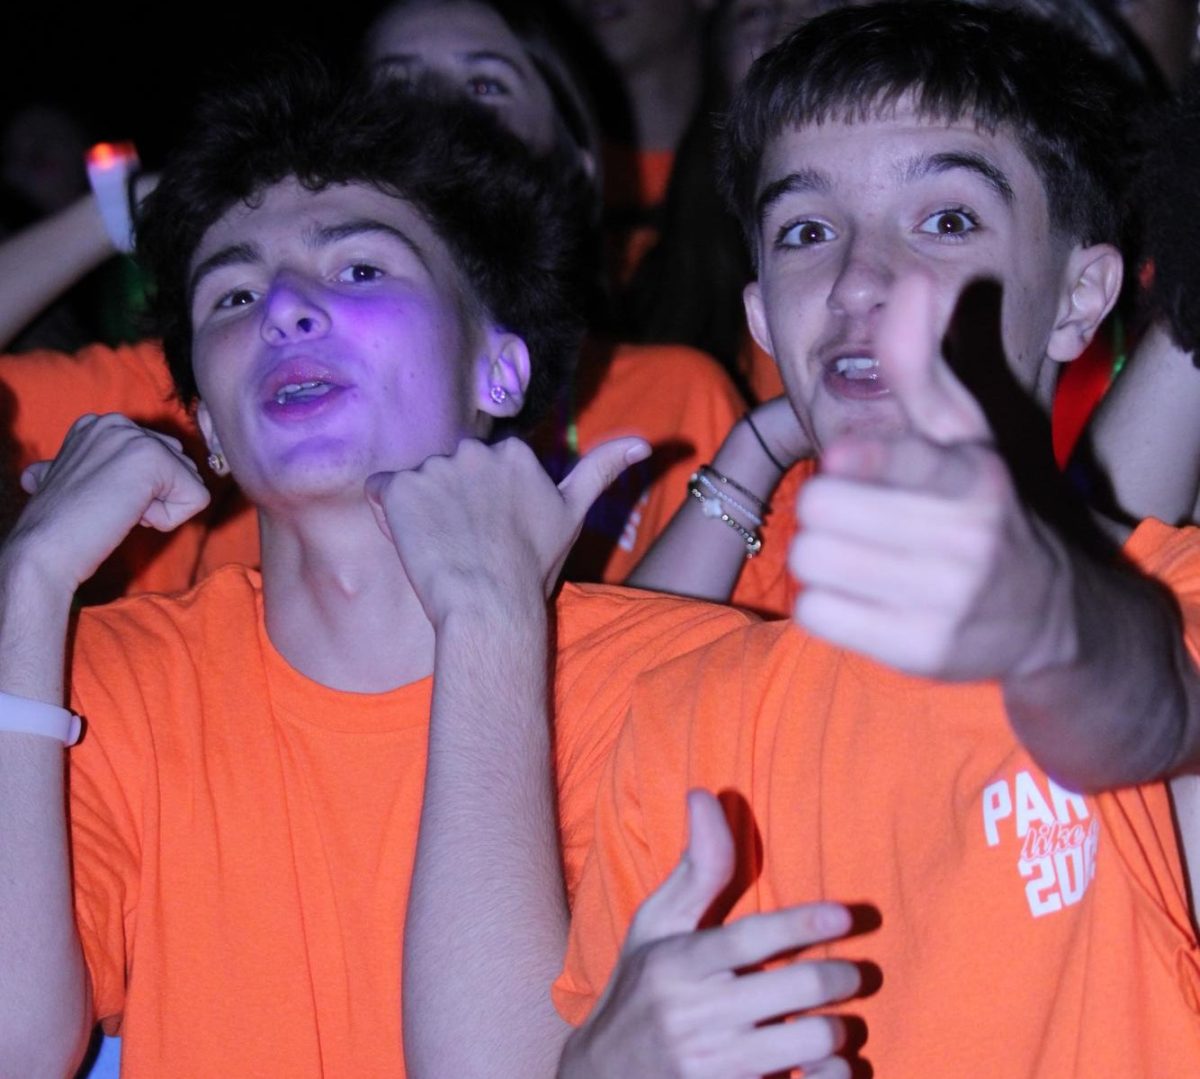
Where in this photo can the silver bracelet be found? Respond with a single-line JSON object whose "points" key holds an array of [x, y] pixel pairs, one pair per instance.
{"points": [[724, 498], [752, 541], [24, 716]]}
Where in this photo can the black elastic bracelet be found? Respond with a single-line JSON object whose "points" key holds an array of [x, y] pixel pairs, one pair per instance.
{"points": [[762, 442]]}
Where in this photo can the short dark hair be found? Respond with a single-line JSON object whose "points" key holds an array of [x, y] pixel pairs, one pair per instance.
{"points": [[513, 224], [1063, 103]]}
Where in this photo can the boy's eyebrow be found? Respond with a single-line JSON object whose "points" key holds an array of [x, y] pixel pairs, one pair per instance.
{"points": [[797, 182], [231, 255], [322, 236], [918, 168], [474, 56]]}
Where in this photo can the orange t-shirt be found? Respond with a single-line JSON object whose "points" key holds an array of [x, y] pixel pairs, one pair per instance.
{"points": [[242, 837], [680, 400], [44, 392], [1024, 931], [766, 585], [635, 187]]}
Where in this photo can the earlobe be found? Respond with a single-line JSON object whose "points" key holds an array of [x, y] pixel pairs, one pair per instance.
{"points": [[1094, 276], [216, 456], [756, 317], [505, 376]]}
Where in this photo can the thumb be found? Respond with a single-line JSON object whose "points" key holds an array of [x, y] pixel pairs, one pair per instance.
{"points": [[597, 468], [704, 869], [937, 405], [31, 477], [374, 487]]}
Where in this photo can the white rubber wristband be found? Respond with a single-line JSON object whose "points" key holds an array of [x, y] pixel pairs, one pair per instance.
{"points": [[111, 169], [23, 716]]}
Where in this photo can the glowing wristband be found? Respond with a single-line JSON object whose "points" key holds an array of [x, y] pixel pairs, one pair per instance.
{"points": [[24, 716], [112, 168]]}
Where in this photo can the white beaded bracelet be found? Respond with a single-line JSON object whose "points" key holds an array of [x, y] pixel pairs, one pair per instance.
{"points": [[24, 716], [111, 169]]}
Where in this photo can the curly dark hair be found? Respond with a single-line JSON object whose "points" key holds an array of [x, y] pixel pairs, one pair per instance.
{"points": [[1064, 103], [515, 226]]}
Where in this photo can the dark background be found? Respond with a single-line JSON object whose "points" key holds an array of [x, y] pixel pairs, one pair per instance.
{"points": [[131, 70]]}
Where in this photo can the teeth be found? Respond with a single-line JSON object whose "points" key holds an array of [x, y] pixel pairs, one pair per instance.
{"points": [[293, 388], [857, 367]]}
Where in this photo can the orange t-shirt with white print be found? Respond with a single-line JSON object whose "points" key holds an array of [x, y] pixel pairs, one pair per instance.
{"points": [[677, 398], [43, 392], [242, 837], [1024, 930]]}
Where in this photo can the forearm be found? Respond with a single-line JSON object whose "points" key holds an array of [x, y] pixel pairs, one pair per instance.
{"points": [[44, 995], [1123, 706], [698, 555], [39, 263], [487, 916]]}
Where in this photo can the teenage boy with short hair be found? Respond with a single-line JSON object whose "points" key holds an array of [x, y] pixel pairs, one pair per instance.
{"points": [[952, 729]]}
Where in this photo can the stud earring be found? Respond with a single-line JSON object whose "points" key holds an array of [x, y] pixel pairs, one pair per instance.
{"points": [[499, 394], [216, 461]]}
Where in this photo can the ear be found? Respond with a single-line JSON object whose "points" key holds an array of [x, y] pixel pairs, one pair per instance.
{"points": [[204, 422], [756, 317], [503, 375], [1092, 283]]}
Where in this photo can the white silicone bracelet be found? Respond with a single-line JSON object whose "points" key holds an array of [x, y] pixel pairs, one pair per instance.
{"points": [[23, 716], [111, 169]]}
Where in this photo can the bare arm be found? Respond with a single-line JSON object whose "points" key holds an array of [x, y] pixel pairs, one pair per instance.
{"points": [[109, 476], [486, 922], [696, 555], [39, 263], [44, 996]]}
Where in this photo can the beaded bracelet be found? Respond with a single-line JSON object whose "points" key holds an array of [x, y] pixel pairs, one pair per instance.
{"points": [[729, 481], [751, 540], [722, 497]]}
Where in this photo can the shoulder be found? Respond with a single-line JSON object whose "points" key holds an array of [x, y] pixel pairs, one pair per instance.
{"points": [[223, 605], [594, 617], [1165, 551]]}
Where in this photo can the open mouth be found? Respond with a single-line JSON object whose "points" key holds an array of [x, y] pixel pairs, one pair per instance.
{"points": [[856, 368], [295, 392], [855, 376]]}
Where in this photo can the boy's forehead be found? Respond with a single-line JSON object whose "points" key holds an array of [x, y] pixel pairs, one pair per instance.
{"points": [[896, 142], [287, 207]]}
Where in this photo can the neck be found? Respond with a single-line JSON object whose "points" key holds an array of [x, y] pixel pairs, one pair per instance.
{"points": [[664, 96], [339, 606]]}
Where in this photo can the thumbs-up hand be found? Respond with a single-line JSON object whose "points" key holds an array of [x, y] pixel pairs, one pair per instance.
{"points": [[676, 1004], [915, 548], [486, 526]]}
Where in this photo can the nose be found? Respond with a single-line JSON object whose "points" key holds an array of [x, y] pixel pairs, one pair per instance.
{"points": [[291, 312], [863, 281]]}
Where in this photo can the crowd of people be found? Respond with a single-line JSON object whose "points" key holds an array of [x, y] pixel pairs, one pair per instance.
{"points": [[594, 563]]}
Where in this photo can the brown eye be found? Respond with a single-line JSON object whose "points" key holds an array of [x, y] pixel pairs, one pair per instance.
{"points": [[805, 234], [949, 223]]}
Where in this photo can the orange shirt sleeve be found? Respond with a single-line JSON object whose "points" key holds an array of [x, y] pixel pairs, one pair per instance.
{"points": [[683, 403], [44, 392]]}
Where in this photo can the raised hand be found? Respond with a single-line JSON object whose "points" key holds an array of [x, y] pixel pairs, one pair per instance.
{"points": [[676, 1006], [916, 548], [110, 475], [487, 521]]}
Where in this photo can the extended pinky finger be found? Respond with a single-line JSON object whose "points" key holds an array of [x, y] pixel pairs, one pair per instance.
{"points": [[808, 1042]]}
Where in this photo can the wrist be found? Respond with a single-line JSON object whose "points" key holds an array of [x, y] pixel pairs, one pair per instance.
{"points": [[741, 458], [112, 169]]}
